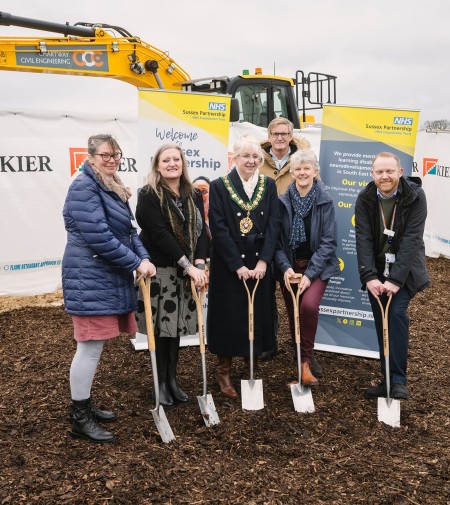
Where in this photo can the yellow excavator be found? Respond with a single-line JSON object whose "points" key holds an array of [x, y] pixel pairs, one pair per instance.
{"points": [[102, 50]]}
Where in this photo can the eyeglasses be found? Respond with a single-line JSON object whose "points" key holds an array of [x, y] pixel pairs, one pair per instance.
{"points": [[106, 156], [281, 134]]}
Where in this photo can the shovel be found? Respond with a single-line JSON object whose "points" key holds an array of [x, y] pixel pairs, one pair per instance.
{"points": [[388, 408], [206, 402], [251, 390], [159, 416], [301, 395]]}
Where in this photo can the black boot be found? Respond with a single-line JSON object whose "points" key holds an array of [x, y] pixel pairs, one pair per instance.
{"points": [[84, 425], [162, 362], [101, 416], [178, 394]]}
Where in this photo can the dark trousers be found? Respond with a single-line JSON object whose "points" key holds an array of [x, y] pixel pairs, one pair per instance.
{"points": [[398, 328], [309, 302]]}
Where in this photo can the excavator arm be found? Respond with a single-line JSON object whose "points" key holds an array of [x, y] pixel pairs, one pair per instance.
{"points": [[95, 50]]}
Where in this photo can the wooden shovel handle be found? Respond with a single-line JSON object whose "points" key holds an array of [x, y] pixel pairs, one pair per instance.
{"points": [[199, 304], [384, 315], [295, 298], [251, 301], [145, 287]]}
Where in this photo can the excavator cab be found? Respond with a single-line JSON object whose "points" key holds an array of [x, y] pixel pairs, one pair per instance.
{"points": [[262, 98]]}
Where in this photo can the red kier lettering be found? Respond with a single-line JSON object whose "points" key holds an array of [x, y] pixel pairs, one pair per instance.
{"points": [[25, 164]]}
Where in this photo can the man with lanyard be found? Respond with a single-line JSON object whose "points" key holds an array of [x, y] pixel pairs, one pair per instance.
{"points": [[390, 218], [277, 150]]}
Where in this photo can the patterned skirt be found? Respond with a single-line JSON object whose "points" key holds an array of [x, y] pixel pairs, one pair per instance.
{"points": [[173, 306]]}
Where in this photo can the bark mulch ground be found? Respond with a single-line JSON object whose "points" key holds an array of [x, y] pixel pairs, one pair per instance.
{"points": [[340, 454]]}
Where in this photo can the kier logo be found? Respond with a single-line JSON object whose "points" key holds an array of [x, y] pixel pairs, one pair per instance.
{"points": [[78, 156], [429, 164]]}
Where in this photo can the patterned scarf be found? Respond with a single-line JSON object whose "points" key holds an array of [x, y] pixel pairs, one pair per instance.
{"points": [[182, 216], [113, 183], [302, 207]]}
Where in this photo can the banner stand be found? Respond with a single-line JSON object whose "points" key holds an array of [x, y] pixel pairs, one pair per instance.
{"points": [[140, 342]]}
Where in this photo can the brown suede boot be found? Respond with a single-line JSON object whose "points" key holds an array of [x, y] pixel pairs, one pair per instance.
{"points": [[308, 378], [223, 376]]}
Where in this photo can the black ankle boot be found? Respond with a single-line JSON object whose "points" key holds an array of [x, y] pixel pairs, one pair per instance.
{"points": [[101, 416], [162, 363], [178, 394], [84, 425]]}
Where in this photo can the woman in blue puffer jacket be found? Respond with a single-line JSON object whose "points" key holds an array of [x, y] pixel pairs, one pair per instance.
{"points": [[102, 252]]}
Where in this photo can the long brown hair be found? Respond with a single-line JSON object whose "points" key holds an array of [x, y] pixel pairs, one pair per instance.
{"points": [[154, 177]]}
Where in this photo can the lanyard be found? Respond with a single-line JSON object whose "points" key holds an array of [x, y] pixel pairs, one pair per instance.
{"points": [[388, 231]]}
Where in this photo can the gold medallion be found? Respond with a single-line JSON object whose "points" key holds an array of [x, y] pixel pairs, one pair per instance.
{"points": [[245, 225]]}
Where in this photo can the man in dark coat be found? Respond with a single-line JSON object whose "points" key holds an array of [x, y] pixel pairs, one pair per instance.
{"points": [[390, 218]]}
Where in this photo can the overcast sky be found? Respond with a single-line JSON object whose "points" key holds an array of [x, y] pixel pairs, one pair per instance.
{"points": [[387, 53]]}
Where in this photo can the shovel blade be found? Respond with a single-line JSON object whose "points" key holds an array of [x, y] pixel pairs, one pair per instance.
{"points": [[208, 410], [252, 394], [302, 398], [389, 412], [164, 429]]}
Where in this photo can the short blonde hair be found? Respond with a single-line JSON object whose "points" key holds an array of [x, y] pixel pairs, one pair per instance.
{"points": [[387, 154], [248, 142]]}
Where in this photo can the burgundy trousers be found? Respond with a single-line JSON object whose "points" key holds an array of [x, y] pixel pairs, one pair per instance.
{"points": [[309, 302]]}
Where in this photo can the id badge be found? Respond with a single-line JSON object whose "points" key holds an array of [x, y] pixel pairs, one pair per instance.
{"points": [[389, 258]]}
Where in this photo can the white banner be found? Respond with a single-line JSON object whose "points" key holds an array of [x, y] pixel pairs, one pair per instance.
{"points": [[40, 154], [432, 164]]}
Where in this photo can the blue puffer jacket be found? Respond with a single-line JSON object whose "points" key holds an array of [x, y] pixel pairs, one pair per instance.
{"points": [[102, 251]]}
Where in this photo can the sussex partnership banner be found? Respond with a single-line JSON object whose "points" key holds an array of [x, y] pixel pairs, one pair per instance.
{"points": [[198, 123], [351, 137]]}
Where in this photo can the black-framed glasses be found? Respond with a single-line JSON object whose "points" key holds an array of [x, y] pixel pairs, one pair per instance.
{"points": [[106, 156], [281, 134]]}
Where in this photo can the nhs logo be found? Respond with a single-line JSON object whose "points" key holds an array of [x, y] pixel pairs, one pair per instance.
{"points": [[217, 106], [403, 120]]}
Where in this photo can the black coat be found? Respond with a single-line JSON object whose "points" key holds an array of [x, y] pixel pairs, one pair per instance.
{"points": [[157, 234], [409, 269], [227, 323]]}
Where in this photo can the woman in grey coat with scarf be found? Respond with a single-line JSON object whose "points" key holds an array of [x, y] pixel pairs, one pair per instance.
{"points": [[307, 246]]}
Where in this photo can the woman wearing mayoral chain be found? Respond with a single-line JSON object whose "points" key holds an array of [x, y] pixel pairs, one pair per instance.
{"points": [[244, 222]]}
